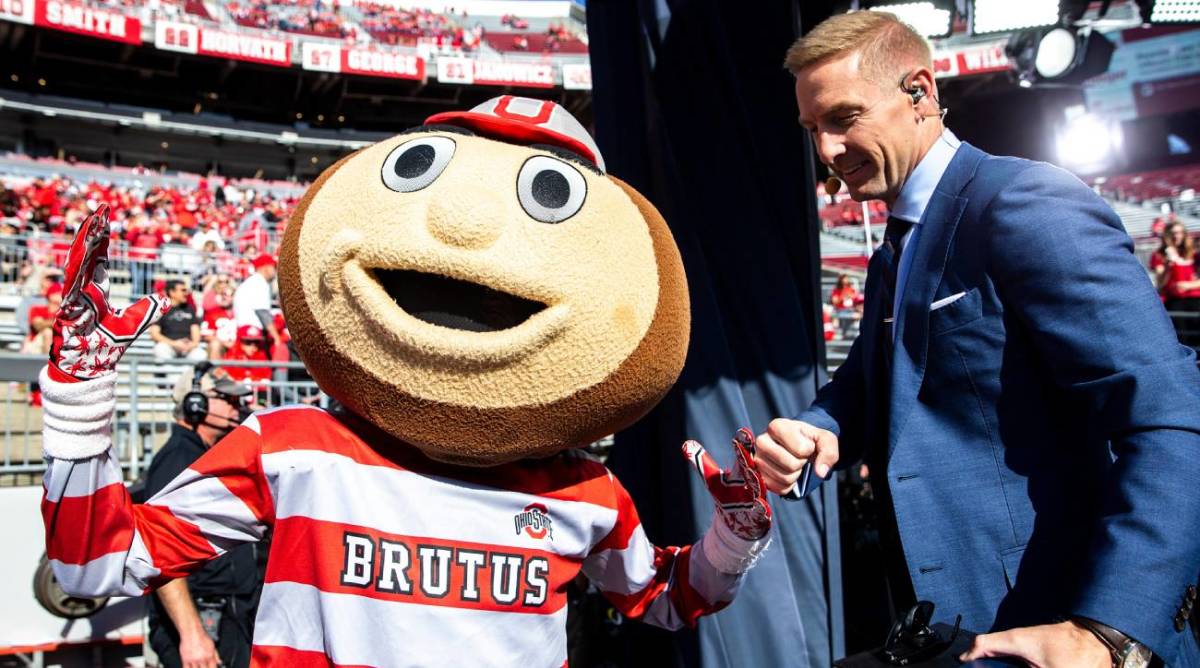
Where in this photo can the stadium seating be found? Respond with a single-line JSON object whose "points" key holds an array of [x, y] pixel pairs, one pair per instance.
{"points": [[305, 17]]}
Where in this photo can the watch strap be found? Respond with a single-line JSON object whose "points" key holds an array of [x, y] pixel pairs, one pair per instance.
{"points": [[1117, 643]]}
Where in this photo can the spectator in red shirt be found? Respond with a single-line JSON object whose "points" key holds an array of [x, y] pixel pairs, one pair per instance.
{"points": [[219, 330], [41, 317], [847, 304], [1174, 267], [250, 347]]}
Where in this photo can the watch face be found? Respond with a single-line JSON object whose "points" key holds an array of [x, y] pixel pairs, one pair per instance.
{"points": [[1138, 656]]}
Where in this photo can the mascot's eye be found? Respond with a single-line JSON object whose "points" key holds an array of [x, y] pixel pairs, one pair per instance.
{"points": [[414, 165], [550, 190]]}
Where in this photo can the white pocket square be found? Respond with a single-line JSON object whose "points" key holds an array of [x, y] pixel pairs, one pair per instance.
{"points": [[945, 301]]}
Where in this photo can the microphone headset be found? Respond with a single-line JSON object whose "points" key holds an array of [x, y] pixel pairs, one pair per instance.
{"points": [[195, 403]]}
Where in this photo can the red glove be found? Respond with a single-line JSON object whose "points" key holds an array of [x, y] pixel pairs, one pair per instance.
{"points": [[740, 496], [89, 335]]}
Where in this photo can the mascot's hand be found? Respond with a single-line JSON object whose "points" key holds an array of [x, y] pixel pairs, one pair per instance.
{"points": [[740, 495], [89, 335]]}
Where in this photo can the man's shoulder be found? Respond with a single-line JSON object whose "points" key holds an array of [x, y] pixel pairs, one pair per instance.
{"points": [[999, 173]]}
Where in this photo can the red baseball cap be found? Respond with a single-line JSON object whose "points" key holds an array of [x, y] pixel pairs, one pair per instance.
{"points": [[524, 120], [250, 333], [263, 260]]}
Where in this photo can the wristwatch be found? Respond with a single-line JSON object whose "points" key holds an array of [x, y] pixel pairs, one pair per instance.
{"points": [[1126, 652]]}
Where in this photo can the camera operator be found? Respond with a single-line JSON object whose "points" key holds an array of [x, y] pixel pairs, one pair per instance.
{"points": [[206, 619]]}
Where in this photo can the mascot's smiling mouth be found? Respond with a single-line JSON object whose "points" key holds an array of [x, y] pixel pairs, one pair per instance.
{"points": [[455, 304]]}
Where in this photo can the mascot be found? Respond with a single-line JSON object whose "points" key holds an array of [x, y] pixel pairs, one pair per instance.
{"points": [[481, 299]]}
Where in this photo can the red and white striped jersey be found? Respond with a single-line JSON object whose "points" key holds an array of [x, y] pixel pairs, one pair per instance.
{"points": [[380, 556]]}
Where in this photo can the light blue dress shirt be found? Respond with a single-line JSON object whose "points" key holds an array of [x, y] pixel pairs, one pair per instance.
{"points": [[911, 204]]}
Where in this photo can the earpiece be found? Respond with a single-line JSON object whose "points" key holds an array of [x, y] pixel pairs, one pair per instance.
{"points": [[195, 403], [917, 93]]}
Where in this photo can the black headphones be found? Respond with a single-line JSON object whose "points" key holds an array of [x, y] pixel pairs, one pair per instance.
{"points": [[195, 403]]}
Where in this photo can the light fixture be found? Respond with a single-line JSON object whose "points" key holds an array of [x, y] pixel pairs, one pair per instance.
{"points": [[988, 16], [1059, 56], [1055, 53], [1087, 143], [931, 19], [1170, 11]]}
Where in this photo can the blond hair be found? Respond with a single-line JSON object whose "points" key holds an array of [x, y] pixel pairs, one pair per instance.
{"points": [[887, 44]]}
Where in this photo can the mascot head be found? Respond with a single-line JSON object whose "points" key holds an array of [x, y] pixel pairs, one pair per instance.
{"points": [[480, 288]]}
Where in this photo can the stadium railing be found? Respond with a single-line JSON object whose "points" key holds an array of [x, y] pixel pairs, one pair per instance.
{"points": [[144, 413], [129, 274]]}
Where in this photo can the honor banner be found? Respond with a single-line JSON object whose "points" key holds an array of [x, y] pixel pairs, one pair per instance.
{"points": [[82, 20], [367, 62], [241, 46], [495, 73]]}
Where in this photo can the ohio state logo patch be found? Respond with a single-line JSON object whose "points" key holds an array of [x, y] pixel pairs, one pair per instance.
{"points": [[534, 521]]}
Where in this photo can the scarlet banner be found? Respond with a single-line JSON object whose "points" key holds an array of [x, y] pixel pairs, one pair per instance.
{"points": [[383, 64], [70, 17], [240, 46], [497, 73], [971, 59]]}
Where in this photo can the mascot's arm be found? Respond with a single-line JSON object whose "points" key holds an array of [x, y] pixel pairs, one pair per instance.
{"points": [[97, 541], [673, 587], [100, 543]]}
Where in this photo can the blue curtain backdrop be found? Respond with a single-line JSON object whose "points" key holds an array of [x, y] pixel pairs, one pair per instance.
{"points": [[694, 109]]}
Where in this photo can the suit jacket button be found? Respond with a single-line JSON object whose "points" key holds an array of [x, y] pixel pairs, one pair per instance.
{"points": [[1191, 592], [1180, 622]]}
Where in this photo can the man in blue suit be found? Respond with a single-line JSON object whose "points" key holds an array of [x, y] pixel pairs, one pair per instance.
{"points": [[1031, 424]]}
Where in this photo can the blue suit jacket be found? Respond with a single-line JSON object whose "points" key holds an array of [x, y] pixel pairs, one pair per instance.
{"points": [[1043, 430]]}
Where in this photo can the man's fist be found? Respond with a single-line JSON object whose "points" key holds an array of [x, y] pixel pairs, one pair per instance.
{"points": [[89, 335], [739, 494], [787, 446]]}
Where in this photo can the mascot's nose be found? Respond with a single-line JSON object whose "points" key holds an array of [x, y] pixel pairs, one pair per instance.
{"points": [[473, 224]]}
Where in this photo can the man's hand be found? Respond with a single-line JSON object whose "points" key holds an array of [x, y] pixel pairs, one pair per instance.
{"points": [[1048, 646], [196, 650], [739, 494], [787, 446], [89, 335]]}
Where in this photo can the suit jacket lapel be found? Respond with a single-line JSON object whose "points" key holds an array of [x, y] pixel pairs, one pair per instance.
{"points": [[925, 274]]}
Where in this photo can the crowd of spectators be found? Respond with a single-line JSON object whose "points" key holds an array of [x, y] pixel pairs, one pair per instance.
{"points": [[848, 212], [215, 226], [1173, 266], [146, 9], [398, 26], [223, 303], [307, 17]]}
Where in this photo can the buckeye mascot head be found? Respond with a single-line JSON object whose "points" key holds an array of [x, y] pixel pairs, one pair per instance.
{"points": [[480, 288]]}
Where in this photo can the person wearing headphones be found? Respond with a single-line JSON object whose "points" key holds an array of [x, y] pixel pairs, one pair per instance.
{"points": [[206, 619], [1030, 422]]}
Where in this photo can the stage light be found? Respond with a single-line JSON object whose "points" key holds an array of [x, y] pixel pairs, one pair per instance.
{"points": [[1087, 143], [1007, 15], [1055, 53], [1059, 56], [927, 18]]}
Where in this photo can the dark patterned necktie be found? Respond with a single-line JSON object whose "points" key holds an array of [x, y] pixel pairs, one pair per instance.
{"points": [[892, 248]]}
